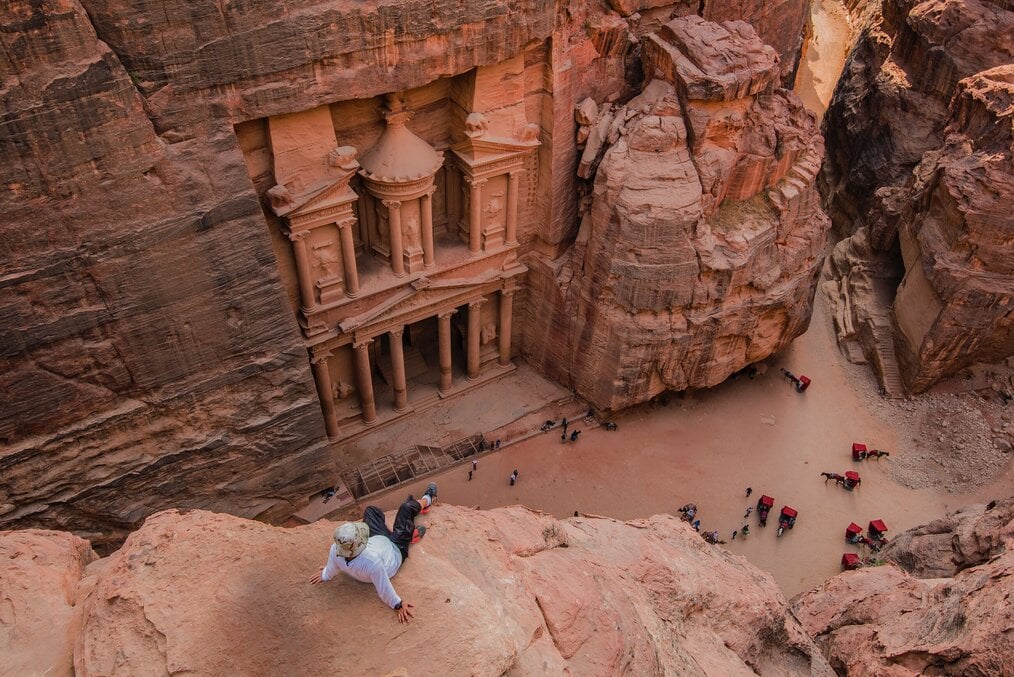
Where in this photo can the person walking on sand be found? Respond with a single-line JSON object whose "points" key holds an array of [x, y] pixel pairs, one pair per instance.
{"points": [[475, 464], [470, 475], [514, 477], [564, 425], [749, 509], [574, 434], [745, 531], [371, 553], [749, 490], [734, 532]]}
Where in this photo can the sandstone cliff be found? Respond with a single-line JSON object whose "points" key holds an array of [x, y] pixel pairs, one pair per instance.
{"points": [[920, 164], [506, 591], [963, 539], [700, 247], [881, 621]]}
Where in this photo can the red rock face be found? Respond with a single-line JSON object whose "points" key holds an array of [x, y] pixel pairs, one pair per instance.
{"points": [[505, 591], [703, 240], [150, 352], [919, 156]]}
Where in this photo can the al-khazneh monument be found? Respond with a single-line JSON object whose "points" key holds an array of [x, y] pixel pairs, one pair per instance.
{"points": [[236, 236]]}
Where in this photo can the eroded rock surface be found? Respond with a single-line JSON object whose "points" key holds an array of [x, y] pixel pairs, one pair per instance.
{"points": [[699, 249], [963, 539], [882, 621], [506, 591], [40, 572], [919, 162]]}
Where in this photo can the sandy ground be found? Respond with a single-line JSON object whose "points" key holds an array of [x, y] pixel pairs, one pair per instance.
{"points": [[708, 447]]}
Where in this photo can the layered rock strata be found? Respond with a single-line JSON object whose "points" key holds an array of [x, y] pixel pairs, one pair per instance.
{"points": [[703, 237], [506, 591], [920, 167]]}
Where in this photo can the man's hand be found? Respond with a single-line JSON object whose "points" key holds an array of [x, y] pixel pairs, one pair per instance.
{"points": [[315, 579], [404, 613]]}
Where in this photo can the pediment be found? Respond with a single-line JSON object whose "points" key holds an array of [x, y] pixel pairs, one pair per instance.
{"points": [[320, 197], [478, 151]]}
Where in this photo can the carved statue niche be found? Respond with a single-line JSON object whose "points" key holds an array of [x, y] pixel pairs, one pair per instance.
{"points": [[325, 260], [494, 207], [487, 333], [340, 389], [476, 125]]}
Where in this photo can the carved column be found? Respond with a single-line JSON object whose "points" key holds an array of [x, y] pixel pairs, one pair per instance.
{"points": [[349, 259], [322, 379], [446, 380], [398, 369], [303, 271], [426, 206], [513, 187], [397, 246], [364, 381], [506, 316], [474, 311], [475, 215]]}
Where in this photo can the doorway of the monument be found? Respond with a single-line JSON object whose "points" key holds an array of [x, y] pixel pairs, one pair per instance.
{"points": [[421, 347]]}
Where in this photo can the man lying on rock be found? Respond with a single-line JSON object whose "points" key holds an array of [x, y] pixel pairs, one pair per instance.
{"points": [[369, 552]]}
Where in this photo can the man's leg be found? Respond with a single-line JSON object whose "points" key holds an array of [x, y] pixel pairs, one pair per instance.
{"points": [[374, 518], [404, 525]]}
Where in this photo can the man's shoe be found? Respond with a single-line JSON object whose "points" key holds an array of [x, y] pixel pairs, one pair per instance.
{"points": [[417, 535], [431, 492]]}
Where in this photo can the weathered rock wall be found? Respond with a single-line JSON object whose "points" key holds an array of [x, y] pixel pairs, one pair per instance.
{"points": [[700, 248], [919, 155], [149, 355], [506, 591]]}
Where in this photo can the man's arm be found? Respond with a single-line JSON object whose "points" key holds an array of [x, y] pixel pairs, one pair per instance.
{"points": [[382, 583], [329, 571]]}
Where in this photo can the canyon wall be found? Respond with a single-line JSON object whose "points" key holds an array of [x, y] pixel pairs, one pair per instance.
{"points": [[150, 350], [702, 237], [919, 167]]}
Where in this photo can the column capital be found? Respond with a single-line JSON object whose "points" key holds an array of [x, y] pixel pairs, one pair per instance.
{"points": [[320, 357], [516, 173], [362, 343], [429, 191], [345, 223], [297, 235], [392, 204], [474, 305], [447, 314], [474, 181], [397, 332], [507, 292]]}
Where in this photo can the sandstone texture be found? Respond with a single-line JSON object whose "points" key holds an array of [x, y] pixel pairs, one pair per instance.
{"points": [[919, 168], [507, 591], [702, 237], [963, 539], [40, 574], [150, 354]]}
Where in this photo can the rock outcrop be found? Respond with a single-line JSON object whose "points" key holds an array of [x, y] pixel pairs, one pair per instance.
{"points": [[882, 621], [40, 575], [963, 539], [506, 591], [702, 240], [919, 138]]}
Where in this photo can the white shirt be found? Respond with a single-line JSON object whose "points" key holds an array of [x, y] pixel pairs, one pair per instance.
{"points": [[376, 564]]}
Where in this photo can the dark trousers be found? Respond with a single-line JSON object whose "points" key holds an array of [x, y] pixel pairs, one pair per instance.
{"points": [[404, 524]]}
